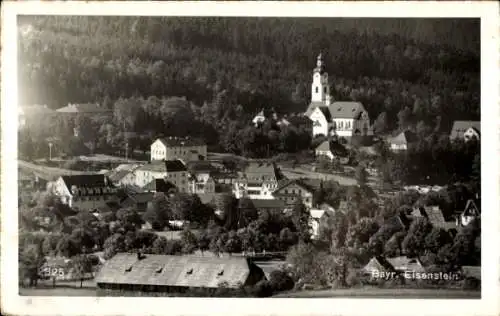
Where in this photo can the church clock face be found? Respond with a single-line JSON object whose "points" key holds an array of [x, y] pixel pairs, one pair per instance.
{"points": [[316, 76]]}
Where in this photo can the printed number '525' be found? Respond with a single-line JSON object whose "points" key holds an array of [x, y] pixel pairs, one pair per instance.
{"points": [[48, 272]]}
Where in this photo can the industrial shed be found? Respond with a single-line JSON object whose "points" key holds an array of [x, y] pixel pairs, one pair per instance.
{"points": [[164, 273]]}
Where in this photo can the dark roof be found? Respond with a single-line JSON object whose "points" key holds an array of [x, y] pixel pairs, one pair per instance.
{"points": [[406, 264], [201, 166], [86, 181], [182, 271], [181, 141], [345, 109], [313, 105], [143, 197], [380, 262], [268, 203], [459, 128], [83, 108], [159, 185], [405, 137], [333, 147], [175, 165]]}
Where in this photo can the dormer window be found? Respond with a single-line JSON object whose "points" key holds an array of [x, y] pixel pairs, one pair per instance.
{"points": [[159, 270], [221, 273], [128, 269], [189, 272]]}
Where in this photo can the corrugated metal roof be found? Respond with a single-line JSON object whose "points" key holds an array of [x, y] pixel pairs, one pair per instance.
{"points": [[185, 271], [86, 181]]}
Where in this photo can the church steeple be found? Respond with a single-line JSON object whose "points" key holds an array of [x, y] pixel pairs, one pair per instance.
{"points": [[320, 87]]}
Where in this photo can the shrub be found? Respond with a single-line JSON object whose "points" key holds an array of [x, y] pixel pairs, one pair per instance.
{"points": [[281, 281], [263, 289], [471, 283]]}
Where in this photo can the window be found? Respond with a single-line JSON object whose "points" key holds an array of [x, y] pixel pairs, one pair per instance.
{"points": [[190, 271], [221, 272], [324, 89], [316, 89]]}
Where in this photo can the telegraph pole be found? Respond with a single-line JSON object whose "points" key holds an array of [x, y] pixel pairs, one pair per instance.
{"points": [[50, 151]]}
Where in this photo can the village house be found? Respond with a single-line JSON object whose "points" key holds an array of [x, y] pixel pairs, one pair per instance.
{"points": [[174, 274], [319, 218], [137, 201], [292, 191], [258, 181], [85, 192], [183, 148], [332, 151], [402, 141], [470, 213], [173, 171], [264, 115], [342, 119], [123, 174], [31, 113], [201, 183], [434, 215], [466, 130]]}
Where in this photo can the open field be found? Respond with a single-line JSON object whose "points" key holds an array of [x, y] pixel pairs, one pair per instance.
{"points": [[370, 292]]}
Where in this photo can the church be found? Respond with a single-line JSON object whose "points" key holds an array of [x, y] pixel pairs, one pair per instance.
{"points": [[343, 119]]}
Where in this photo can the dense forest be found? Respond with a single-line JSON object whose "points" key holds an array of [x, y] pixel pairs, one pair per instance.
{"points": [[258, 62]]}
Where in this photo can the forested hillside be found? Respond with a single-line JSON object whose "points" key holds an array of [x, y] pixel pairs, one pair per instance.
{"points": [[158, 73]]}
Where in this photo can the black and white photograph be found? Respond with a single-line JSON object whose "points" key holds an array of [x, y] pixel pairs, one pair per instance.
{"points": [[249, 156]]}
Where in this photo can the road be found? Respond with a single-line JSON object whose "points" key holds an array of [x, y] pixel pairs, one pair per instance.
{"points": [[51, 172], [294, 173]]}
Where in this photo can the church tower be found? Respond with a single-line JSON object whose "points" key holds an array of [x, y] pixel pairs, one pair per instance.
{"points": [[320, 88]]}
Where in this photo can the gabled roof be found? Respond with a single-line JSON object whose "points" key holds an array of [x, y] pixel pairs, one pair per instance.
{"points": [[471, 209], [268, 203], [404, 138], [313, 105], [299, 182], [435, 216], [334, 147], [159, 185], [459, 128], [345, 109], [143, 197], [181, 271], [175, 165], [378, 263], [173, 141], [164, 166], [86, 181], [83, 108], [118, 175], [406, 264]]}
